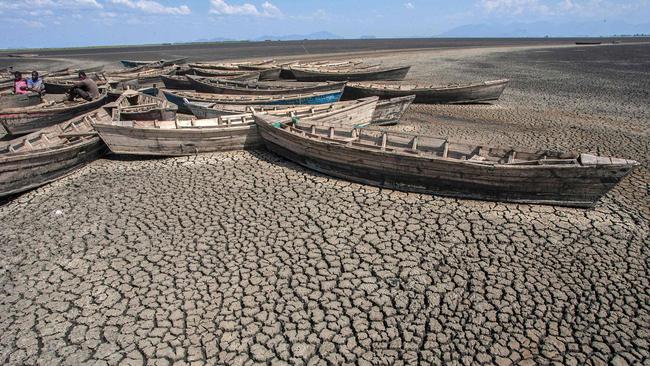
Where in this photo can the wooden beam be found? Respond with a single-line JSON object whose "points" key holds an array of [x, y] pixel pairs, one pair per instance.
{"points": [[445, 149], [384, 139]]}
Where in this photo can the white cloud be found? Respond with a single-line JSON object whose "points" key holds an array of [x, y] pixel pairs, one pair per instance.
{"points": [[220, 7], [153, 7], [514, 6], [409, 5]]}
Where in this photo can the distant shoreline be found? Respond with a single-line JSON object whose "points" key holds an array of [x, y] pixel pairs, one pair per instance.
{"points": [[5, 51]]}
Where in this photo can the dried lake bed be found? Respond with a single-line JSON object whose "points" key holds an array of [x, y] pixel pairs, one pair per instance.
{"points": [[244, 257]]}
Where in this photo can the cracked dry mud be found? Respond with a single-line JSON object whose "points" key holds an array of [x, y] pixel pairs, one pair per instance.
{"points": [[243, 257]]}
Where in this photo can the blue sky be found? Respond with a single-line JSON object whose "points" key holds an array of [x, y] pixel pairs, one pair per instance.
{"points": [[55, 23]]}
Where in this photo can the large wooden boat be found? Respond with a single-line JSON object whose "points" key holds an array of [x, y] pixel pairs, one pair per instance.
{"points": [[234, 132], [437, 166], [132, 105], [20, 100], [230, 65], [387, 112], [183, 82], [145, 76], [17, 121], [390, 111], [48, 154], [179, 98], [219, 86], [135, 63], [427, 94], [221, 73], [351, 74]]}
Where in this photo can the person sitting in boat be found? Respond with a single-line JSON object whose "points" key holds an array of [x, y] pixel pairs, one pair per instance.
{"points": [[35, 83], [85, 88], [20, 84]]}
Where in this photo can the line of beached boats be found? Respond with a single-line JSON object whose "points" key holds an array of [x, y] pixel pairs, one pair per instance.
{"points": [[325, 119]]}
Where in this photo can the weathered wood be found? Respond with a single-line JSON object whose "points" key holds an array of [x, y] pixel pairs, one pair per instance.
{"points": [[19, 121], [180, 97], [386, 159], [218, 86], [20, 100], [132, 105], [49, 154], [353, 74], [430, 94], [173, 138]]}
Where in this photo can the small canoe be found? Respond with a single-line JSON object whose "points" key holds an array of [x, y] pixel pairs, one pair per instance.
{"points": [[434, 165], [48, 154], [179, 97], [234, 132], [587, 43], [228, 65], [20, 100], [237, 88], [132, 105], [390, 111], [18, 121], [426, 94], [352, 74]]}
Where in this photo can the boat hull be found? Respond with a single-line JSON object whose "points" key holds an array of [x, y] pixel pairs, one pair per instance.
{"points": [[176, 83], [19, 123], [384, 74], [178, 142], [299, 100], [484, 92], [225, 88], [390, 111], [19, 174], [554, 185], [20, 100]]}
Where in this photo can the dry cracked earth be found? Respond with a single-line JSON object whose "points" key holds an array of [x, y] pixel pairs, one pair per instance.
{"points": [[245, 258]]}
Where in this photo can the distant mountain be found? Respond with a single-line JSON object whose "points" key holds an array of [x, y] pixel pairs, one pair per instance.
{"points": [[217, 39], [551, 29], [299, 37]]}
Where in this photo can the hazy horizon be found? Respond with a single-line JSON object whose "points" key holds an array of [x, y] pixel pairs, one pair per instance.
{"points": [[79, 23]]}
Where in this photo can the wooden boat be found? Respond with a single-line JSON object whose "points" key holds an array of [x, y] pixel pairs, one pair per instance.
{"points": [[183, 82], [238, 88], [390, 111], [437, 166], [387, 112], [143, 77], [267, 72], [468, 93], [235, 132], [62, 85], [206, 110], [163, 63], [17, 121], [228, 65], [335, 74], [221, 73], [20, 100], [585, 43], [48, 154], [136, 106], [179, 98]]}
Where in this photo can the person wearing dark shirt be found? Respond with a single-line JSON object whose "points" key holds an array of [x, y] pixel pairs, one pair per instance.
{"points": [[85, 88]]}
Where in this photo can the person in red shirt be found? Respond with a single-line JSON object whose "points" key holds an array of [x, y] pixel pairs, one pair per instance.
{"points": [[20, 84]]}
